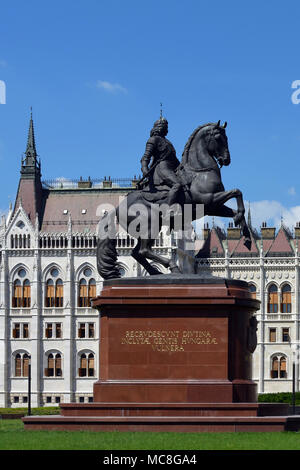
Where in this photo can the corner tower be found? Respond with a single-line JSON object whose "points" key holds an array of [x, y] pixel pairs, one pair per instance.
{"points": [[29, 193]]}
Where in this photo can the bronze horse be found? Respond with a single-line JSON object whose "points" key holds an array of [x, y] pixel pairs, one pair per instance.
{"points": [[205, 152]]}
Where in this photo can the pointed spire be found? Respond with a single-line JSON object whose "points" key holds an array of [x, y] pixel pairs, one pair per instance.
{"points": [[36, 223], [31, 148], [249, 217], [30, 166]]}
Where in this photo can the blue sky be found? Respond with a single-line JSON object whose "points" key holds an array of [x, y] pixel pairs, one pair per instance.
{"points": [[95, 73]]}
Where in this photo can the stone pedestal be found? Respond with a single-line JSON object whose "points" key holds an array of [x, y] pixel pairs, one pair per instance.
{"points": [[175, 355], [175, 339]]}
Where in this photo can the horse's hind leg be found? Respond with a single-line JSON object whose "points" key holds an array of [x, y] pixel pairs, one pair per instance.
{"points": [[147, 252], [136, 254]]}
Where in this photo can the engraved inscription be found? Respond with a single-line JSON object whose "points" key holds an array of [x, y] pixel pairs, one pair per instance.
{"points": [[168, 340]]}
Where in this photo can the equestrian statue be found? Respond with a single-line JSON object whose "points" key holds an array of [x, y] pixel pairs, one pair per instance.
{"points": [[194, 181]]}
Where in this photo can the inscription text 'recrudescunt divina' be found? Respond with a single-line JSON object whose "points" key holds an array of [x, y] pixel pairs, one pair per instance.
{"points": [[168, 340]]}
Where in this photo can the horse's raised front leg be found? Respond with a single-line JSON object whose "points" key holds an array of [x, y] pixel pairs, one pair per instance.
{"points": [[224, 196], [224, 211]]}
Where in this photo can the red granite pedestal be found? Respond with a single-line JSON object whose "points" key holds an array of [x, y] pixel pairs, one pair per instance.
{"points": [[175, 355]]}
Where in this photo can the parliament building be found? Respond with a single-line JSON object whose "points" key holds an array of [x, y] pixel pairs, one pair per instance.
{"points": [[48, 275]]}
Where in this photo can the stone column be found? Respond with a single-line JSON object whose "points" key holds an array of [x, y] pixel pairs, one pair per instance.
{"points": [[69, 323], [262, 323], [36, 329], [5, 359], [296, 313]]}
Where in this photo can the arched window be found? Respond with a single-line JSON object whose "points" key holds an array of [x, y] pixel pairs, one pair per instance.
{"points": [[83, 294], [54, 292], [26, 294], [21, 295], [86, 365], [91, 369], [82, 366], [272, 299], [92, 290], [278, 367], [18, 365], [59, 293], [54, 367], [17, 294], [86, 288], [286, 299], [21, 364], [49, 299], [252, 288], [25, 365]]}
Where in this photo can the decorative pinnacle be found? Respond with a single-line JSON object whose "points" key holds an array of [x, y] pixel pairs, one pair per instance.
{"points": [[161, 115], [249, 217], [31, 149]]}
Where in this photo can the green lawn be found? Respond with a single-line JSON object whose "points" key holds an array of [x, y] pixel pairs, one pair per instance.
{"points": [[14, 437]]}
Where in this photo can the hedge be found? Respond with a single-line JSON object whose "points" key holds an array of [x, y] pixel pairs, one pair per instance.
{"points": [[47, 410], [280, 397]]}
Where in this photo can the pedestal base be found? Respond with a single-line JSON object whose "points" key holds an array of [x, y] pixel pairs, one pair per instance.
{"points": [[173, 417], [175, 355]]}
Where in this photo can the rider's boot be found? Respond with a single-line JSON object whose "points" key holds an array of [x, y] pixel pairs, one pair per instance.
{"points": [[173, 194]]}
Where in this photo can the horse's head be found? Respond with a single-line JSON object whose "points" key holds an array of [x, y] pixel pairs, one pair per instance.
{"points": [[217, 144]]}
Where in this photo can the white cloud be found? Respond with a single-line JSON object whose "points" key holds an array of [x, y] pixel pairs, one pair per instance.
{"points": [[272, 212], [111, 87]]}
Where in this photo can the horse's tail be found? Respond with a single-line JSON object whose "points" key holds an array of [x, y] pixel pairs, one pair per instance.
{"points": [[106, 249]]}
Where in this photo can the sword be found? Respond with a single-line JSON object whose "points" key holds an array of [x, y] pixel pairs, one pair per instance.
{"points": [[146, 175]]}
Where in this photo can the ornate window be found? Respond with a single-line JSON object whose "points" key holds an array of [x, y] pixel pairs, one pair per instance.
{"points": [[20, 330], [285, 335], [86, 288], [21, 295], [54, 292], [86, 330], [92, 290], [17, 294], [50, 293], [21, 361], [83, 294], [286, 300], [26, 293], [278, 367], [86, 365], [272, 299], [54, 367], [53, 330], [59, 293], [272, 335]]}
